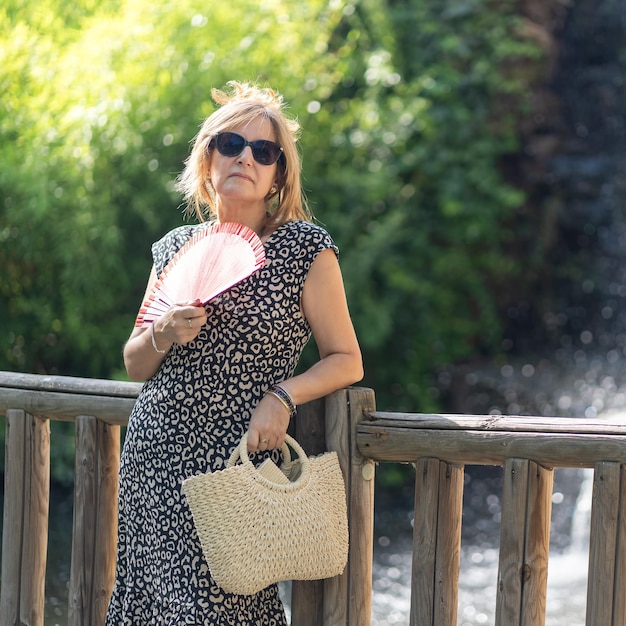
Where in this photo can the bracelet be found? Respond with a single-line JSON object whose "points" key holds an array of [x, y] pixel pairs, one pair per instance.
{"points": [[283, 395], [153, 341]]}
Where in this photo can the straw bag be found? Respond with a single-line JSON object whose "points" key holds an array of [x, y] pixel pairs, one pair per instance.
{"points": [[257, 527]]}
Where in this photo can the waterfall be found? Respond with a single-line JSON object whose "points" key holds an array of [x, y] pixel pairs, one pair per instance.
{"points": [[579, 542]]}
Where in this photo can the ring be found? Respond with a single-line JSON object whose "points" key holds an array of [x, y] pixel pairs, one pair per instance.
{"points": [[189, 321], [264, 440]]}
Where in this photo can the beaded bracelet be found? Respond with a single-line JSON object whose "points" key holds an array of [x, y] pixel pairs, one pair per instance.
{"points": [[153, 341], [283, 395]]}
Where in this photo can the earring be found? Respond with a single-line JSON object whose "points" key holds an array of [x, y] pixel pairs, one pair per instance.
{"points": [[273, 190]]}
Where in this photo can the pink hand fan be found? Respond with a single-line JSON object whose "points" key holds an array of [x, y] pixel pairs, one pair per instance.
{"points": [[211, 262]]}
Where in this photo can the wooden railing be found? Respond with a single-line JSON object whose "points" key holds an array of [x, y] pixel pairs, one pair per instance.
{"points": [[528, 448], [99, 408], [440, 446]]}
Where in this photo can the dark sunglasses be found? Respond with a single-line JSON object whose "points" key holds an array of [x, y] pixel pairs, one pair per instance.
{"points": [[231, 144]]}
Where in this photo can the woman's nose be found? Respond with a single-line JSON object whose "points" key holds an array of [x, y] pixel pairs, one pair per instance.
{"points": [[246, 155]]}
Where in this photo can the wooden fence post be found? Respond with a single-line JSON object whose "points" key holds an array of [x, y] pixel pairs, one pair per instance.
{"points": [[95, 520], [348, 598], [619, 597], [605, 593], [436, 543], [335, 609], [25, 530], [330, 424], [308, 429], [524, 544]]}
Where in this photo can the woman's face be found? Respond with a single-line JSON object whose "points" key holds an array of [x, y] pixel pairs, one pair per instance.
{"points": [[240, 181]]}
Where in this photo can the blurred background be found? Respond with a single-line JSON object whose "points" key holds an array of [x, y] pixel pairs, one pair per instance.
{"points": [[468, 157]]}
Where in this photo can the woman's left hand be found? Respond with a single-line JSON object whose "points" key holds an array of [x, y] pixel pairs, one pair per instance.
{"points": [[268, 425]]}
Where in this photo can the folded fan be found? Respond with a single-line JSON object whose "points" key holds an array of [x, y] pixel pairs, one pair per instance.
{"points": [[215, 259]]}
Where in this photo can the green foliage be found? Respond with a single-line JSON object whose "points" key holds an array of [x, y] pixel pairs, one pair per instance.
{"points": [[407, 106], [420, 115], [102, 107]]}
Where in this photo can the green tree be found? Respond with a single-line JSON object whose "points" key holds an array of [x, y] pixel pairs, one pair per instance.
{"points": [[407, 108], [426, 100], [102, 108]]}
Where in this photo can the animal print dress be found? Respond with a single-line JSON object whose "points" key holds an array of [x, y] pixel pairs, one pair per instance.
{"points": [[188, 419]]}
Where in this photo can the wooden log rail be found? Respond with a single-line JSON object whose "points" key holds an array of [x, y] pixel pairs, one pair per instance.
{"points": [[99, 408], [528, 448]]}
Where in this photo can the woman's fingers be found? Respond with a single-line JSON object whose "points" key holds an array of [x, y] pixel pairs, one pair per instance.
{"points": [[184, 321]]}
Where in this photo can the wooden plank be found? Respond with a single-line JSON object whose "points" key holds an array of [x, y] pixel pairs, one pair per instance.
{"points": [[505, 423], [512, 535], [12, 529], [619, 597], [70, 384], [448, 556], [307, 602], [95, 520], [405, 445], [423, 574], [25, 532], [36, 508], [603, 544], [109, 442], [67, 406], [524, 544], [537, 545], [308, 428], [361, 514], [80, 608], [337, 427]]}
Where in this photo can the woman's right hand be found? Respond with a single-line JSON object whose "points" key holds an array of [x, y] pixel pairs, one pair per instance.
{"points": [[180, 324], [146, 347], [144, 351]]}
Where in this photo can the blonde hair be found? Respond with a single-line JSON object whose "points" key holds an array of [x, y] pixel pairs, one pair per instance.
{"points": [[245, 103]]}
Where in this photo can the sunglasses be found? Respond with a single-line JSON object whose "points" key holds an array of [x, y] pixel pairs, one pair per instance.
{"points": [[264, 152]]}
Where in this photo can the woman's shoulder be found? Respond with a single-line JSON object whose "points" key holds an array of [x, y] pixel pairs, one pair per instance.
{"points": [[308, 233], [304, 238], [180, 233]]}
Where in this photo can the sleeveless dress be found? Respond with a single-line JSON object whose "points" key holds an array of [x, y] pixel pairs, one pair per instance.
{"points": [[188, 419]]}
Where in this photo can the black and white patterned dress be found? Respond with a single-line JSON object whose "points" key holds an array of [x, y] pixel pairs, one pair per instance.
{"points": [[188, 419]]}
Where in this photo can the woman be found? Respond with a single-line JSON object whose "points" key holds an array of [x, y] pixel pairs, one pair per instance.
{"points": [[216, 372]]}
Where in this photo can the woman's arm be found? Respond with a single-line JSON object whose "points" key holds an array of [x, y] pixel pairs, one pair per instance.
{"points": [[325, 307], [180, 324]]}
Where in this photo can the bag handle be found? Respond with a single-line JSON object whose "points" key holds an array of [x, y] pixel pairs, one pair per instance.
{"points": [[241, 452]]}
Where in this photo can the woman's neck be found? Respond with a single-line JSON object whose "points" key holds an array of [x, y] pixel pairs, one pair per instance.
{"points": [[258, 223]]}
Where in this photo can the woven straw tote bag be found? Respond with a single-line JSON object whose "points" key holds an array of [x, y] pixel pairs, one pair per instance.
{"points": [[257, 527]]}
